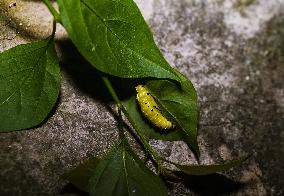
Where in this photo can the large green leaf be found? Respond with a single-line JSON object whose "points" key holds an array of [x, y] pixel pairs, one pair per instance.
{"points": [[121, 172], [30, 83], [113, 36], [210, 169]]}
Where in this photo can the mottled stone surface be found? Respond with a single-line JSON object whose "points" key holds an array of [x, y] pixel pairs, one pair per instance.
{"points": [[233, 52]]}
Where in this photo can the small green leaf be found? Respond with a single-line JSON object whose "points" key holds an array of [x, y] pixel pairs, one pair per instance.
{"points": [[144, 127], [113, 37], [81, 175], [179, 106], [30, 84], [121, 172], [210, 169]]}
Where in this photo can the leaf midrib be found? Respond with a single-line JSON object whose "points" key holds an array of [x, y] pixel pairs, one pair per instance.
{"points": [[124, 169], [166, 109], [137, 53]]}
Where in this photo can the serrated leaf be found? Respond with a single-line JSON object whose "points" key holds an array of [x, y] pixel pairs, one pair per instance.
{"points": [[210, 169], [30, 83], [121, 172], [113, 37], [180, 106]]}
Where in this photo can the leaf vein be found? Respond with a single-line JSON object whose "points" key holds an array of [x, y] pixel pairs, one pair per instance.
{"points": [[5, 77], [125, 171], [107, 41], [126, 46], [26, 79]]}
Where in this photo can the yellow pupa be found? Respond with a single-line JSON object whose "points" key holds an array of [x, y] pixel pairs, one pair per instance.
{"points": [[150, 108]]}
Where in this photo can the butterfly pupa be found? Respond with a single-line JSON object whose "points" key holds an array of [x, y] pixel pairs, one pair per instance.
{"points": [[150, 108]]}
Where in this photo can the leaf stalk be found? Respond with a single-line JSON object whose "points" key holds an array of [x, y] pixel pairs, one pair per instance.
{"points": [[52, 10], [112, 92], [118, 103]]}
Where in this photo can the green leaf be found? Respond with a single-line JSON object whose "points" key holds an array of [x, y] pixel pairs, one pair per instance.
{"points": [[81, 175], [113, 36], [30, 84], [187, 86], [121, 172], [143, 126], [210, 169], [179, 106]]}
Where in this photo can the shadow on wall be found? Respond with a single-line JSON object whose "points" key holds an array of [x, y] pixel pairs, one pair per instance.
{"points": [[88, 79], [71, 189], [214, 184]]}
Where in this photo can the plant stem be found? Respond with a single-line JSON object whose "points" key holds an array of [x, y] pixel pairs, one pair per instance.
{"points": [[53, 29], [112, 92], [148, 147], [55, 14], [51, 37], [118, 103], [140, 136]]}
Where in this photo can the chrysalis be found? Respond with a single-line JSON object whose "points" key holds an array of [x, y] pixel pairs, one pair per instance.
{"points": [[150, 108]]}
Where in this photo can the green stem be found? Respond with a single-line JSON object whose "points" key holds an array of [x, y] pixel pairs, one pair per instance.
{"points": [[145, 142], [118, 103], [53, 29], [112, 92], [141, 137], [55, 14], [51, 37], [120, 125]]}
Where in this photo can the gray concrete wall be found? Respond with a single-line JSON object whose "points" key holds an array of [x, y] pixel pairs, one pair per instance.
{"points": [[232, 51]]}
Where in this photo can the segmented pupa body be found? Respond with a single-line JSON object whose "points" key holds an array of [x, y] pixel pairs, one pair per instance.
{"points": [[150, 108]]}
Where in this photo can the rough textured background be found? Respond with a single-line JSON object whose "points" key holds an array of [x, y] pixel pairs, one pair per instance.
{"points": [[233, 52]]}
